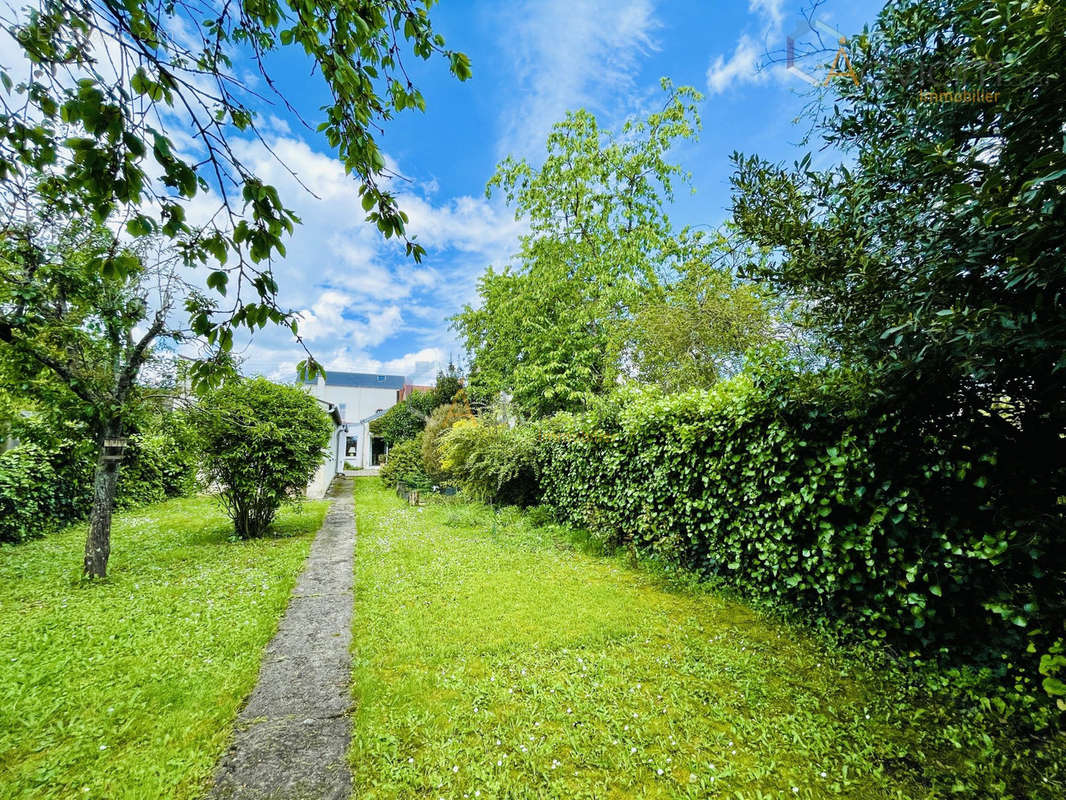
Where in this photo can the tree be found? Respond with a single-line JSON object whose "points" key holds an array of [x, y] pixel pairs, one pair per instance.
{"points": [[701, 327], [90, 131], [82, 337], [447, 386], [553, 331], [401, 422], [932, 260], [261, 443]]}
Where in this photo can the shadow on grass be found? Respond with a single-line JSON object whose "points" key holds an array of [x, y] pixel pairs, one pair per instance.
{"points": [[286, 526]]}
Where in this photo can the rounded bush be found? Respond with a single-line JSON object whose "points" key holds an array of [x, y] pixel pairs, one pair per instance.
{"points": [[261, 444]]}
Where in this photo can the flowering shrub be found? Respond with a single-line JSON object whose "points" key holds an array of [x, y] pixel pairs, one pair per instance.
{"points": [[492, 462]]}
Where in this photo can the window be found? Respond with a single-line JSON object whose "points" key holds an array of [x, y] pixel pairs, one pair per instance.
{"points": [[381, 378], [343, 407]]}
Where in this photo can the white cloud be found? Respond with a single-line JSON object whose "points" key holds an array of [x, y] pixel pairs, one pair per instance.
{"points": [[770, 11], [568, 55], [741, 67], [355, 291], [745, 65]]}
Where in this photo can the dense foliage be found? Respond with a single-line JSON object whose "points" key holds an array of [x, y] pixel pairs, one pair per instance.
{"points": [[27, 493], [439, 422], [46, 481], [161, 461], [800, 488], [558, 328], [933, 260], [491, 462], [261, 444], [404, 465]]}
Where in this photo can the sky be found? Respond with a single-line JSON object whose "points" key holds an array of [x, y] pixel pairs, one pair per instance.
{"points": [[364, 305]]}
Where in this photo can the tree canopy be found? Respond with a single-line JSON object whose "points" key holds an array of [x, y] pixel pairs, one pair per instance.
{"points": [[130, 110], [934, 253], [601, 249]]}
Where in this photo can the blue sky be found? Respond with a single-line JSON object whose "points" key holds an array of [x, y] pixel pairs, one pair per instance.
{"points": [[366, 307]]}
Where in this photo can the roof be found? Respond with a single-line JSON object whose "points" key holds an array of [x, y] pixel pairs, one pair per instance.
{"points": [[379, 413], [333, 410], [362, 380]]}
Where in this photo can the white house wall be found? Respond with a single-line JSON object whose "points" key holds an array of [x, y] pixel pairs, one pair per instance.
{"points": [[359, 403]]}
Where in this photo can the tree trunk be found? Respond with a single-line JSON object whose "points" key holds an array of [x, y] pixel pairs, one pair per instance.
{"points": [[98, 542]]}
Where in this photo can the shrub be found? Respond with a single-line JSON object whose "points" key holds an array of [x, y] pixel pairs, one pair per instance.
{"points": [[261, 444], [27, 493], [404, 464], [442, 418], [161, 461], [491, 462], [401, 422], [803, 490]]}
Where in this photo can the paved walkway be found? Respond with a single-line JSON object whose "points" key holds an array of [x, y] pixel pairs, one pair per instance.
{"points": [[292, 737]]}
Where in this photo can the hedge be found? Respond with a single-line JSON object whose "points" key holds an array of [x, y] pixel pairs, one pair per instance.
{"points": [[27, 492], [46, 482], [800, 489]]}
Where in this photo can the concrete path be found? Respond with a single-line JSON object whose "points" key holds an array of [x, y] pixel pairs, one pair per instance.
{"points": [[292, 737]]}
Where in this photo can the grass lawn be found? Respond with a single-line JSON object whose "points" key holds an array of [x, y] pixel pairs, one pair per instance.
{"points": [[129, 688], [491, 660]]}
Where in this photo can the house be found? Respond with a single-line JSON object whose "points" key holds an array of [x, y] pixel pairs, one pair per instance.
{"points": [[410, 388], [333, 461], [359, 398]]}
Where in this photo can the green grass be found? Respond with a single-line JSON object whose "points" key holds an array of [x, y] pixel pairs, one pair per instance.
{"points": [[129, 688], [492, 660]]}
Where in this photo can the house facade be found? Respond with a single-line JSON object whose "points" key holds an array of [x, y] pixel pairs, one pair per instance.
{"points": [[359, 397], [332, 462]]}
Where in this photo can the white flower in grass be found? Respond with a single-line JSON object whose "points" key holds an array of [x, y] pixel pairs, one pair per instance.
{"points": [[659, 771], [823, 774], [632, 749], [411, 761], [795, 790], [455, 769]]}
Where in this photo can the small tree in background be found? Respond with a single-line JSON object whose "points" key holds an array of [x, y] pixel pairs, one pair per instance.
{"points": [[400, 423], [261, 444], [448, 385]]}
